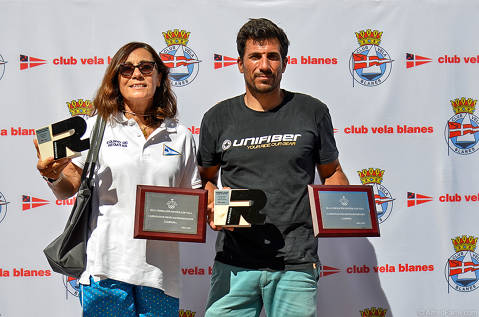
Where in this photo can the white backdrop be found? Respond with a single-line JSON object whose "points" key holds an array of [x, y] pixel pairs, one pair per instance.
{"points": [[413, 269]]}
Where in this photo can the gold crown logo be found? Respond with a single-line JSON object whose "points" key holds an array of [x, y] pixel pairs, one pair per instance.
{"points": [[367, 37], [373, 312], [80, 107], [371, 175], [464, 243], [176, 37], [463, 105]]}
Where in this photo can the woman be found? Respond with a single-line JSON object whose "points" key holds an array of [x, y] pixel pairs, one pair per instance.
{"points": [[142, 144]]}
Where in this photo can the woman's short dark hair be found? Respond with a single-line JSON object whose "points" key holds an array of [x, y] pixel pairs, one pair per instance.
{"points": [[108, 99], [259, 30]]}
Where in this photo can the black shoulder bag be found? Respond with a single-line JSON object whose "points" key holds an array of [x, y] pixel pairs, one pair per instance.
{"points": [[67, 253]]}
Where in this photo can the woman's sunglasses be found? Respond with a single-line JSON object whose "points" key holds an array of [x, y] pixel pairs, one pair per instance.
{"points": [[127, 69]]}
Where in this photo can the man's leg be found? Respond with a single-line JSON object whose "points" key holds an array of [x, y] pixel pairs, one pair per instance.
{"points": [[290, 293], [234, 292]]}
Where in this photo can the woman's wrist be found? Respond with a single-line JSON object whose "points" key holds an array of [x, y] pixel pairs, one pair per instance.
{"points": [[53, 182]]}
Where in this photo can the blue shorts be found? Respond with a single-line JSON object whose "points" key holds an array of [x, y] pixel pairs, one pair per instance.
{"points": [[240, 292], [110, 298]]}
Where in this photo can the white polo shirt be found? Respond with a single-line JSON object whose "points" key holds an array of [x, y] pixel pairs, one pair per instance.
{"points": [[127, 159]]}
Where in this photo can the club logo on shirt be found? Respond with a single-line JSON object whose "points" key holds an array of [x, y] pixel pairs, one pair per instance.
{"points": [[181, 59], [384, 201], [370, 64], [226, 144], [168, 151], [118, 143], [462, 129], [3, 207], [462, 268]]}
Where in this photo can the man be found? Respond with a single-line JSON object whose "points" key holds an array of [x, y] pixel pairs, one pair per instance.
{"points": [[273, 140]]}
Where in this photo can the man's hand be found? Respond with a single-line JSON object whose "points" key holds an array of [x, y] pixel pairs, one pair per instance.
{"points": [[210, 216], [209, 178]]}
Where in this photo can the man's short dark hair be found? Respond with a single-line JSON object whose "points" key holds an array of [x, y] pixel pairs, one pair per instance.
{"points": [[259, 30]]}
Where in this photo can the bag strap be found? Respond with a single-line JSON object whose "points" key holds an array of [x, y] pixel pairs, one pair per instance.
{"points": [[95, 142]]}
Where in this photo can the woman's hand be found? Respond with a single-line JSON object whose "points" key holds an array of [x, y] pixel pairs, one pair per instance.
{"points": [[49, 167], [63, 170]]}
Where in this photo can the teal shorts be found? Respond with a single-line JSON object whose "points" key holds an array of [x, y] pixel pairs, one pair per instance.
{"points": [[240, 292], [110, 298]]}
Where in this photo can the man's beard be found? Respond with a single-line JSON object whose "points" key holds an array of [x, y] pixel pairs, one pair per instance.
{"points": [[261, 88]]}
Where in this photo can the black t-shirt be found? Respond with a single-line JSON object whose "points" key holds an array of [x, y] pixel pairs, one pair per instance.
{"points": [[276, 151]]}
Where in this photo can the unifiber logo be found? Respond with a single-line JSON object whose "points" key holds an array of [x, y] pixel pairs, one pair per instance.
{"points": [[267, 139]]}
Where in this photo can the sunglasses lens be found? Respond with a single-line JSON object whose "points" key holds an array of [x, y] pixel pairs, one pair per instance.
{"points": [[126, 70], [146, 68]]}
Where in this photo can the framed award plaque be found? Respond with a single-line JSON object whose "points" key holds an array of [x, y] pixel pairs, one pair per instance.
{"points": [[170, 213], [343, 211]]}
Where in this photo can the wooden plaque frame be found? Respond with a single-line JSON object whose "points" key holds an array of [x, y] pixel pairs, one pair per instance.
{"points": [[139, 232], [316, 212]]}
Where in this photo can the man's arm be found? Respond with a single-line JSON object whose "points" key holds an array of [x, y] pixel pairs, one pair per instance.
{"points": [[332, 173]]}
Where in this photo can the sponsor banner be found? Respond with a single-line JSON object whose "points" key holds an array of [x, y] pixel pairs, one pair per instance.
{"points": [[389, 268], [414, 60], [370, 64], [20, 272], [401, 129], [413, 138], [462, 268], [27, 62], [3, 207], [181, 59], [374, 312], [221, 61], [186, 313], [415, 199], [2, 66], [72, 287], [462, 129], [32, 202], [17, 131], [383, 198]]}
